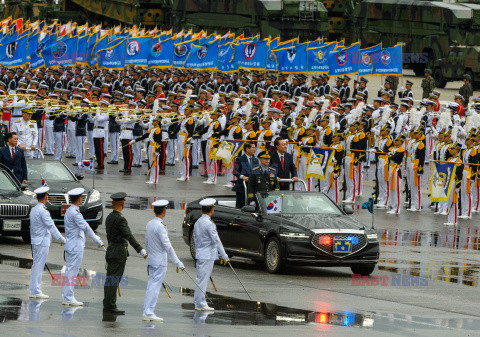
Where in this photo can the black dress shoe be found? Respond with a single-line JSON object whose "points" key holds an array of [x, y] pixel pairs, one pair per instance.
{"points": [[126, 171], [75, 164], [70, 157], [136, 165], [48, 154], [114, 311], [195, 167], [112, 162], [145, 161]]}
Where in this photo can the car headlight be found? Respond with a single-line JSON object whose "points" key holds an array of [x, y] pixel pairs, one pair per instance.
{"points": [[295, 235], [372, 237], [30, 193], [94, 196]]}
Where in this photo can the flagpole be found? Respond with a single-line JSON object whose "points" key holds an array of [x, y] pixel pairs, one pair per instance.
{"points": [[93, 172]]}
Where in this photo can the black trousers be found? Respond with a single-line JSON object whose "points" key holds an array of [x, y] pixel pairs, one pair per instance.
{"points": [[99, 143], [127, 154], [204, 150], [162, 155], [115, 269]]}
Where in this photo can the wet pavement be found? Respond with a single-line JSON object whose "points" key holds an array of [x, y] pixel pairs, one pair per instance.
{"points": [[426, 282]]}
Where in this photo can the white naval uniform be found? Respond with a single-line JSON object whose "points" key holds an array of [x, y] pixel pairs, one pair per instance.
{"points": [[48, 134], [207, 247], [70, 135], [159, 249], [27, 133], [75, 229], [42, 228]]}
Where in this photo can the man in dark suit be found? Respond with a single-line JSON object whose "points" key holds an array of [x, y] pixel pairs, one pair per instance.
{"points": [[243, 168], [284, 163], [13, 157]]}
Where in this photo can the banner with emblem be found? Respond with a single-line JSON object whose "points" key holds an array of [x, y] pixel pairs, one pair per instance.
{"points": [[344, 61], [228, 150], [317, 163], [271, 57], [61, 53], [203, 57], [14, 53], [113, 57], [317, 57], [388, 61], [226, 62], [138, 51], [442, 181], [365, 66], [82, 49], [181, 51], [161, 53], [292, 59], [252, 55]]}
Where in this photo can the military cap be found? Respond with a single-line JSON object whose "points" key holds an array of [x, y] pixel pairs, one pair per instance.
{"points": [[207, 202], [41, 190], [386, 93], [428, 71], [363, 79], [264, 154], [160, 203], [400, 138], [409, 82], [142, 102], [378, 99], [334, 91], [456, 146], [119, 196], [76, 191], [467, 77], [394, 105], [266, 120], [405, 105], [28, 111], [458, 96]]}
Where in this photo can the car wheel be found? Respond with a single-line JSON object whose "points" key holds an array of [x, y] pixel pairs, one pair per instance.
{"points": [[192, 245], [363, 269], [26, 238], [273, 256]]}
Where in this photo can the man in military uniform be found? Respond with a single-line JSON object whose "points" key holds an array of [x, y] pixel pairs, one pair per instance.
{"points": [[27, 132], [263, 177], [3, 131], [118, 236], [428, 84], [466, 90]]}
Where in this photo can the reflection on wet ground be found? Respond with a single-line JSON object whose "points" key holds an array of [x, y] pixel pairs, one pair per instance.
{"points": [[141, 203]]}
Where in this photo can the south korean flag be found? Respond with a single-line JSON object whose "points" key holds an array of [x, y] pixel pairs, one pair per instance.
{"points": [[275, 206]]}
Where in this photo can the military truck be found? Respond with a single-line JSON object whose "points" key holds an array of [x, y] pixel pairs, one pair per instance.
{"points": [[285, 18], [461, 60], [340, 18], [428, 30]]}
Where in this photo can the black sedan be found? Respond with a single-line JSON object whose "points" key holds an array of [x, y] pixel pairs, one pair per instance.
{"points": [[290, 227], [60, 179], [15, 205]]}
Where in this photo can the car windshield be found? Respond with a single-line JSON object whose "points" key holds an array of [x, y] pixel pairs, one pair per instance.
{"points": [[48, 170], [300, 203], [6, 182]]}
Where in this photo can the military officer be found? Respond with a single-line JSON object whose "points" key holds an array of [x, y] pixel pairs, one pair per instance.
{"points": [[159, 249], [466, 90], [3, 131], [118, 236], [42, 228], [263, 177], [407, 92], [207, 248], [27, 132], [428, 84], [75, 229]]}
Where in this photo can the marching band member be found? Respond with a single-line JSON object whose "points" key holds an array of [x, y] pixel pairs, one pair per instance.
{"points": [[468, 155], [395, 159], [452, 203], [384, 145]]}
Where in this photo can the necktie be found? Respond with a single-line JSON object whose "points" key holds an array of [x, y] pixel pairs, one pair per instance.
{"points": [[251, 162], [13, 154], [281, 161]]}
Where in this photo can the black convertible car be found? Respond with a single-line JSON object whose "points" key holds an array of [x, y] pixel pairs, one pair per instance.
{"points": [[290, 227], [61, 180]]}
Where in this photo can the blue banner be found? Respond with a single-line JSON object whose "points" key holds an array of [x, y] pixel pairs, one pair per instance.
{"points": [[345, 61], [32, 44], [292, 60], [388, 61], [252, 55], [318, 161], [98, 44], [138, 51], [365, 66], [318, 57], [82, 49], [180, 53], [226, 62], [61, 53], [14, 54], [161, 53], [271, 57], [203, 56], [442, 181], [113, 57]]}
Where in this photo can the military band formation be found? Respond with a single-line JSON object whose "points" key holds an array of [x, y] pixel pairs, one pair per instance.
{"points": [[180, 118]]}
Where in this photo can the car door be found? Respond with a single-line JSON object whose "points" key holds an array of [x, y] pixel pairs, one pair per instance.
{"points": [[223, 217]]}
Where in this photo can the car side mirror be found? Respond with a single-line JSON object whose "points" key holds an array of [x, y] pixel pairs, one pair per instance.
{"points": [[248, 209], [79, 176], [23, 187], [348, 210]]}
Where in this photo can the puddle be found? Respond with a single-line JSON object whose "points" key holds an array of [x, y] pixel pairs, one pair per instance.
{"points": [[142, 203]]}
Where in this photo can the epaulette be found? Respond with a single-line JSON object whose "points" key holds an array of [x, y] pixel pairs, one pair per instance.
{"points": [[33, 121], [256, 168], [17, 121], [272, 169]]}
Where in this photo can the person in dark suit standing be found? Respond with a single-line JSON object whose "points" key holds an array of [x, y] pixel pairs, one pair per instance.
{"points": [[284, 163], [13, 157], [243, 168]]}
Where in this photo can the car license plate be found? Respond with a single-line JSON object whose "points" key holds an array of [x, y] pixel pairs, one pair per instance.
{"points": [[12, 225], [342, 246], [64, 209]]}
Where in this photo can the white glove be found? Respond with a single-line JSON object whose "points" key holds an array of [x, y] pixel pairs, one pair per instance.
{"points": [[143, 252], [180, 265], [131, 142], [225, 257], [100, 243], [62, 240], [381, 87], [401, 89]]}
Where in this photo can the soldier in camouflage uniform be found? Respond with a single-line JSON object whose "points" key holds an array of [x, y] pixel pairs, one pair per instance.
{"points": [[466, 90], [118, 235], [428, 84]]}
